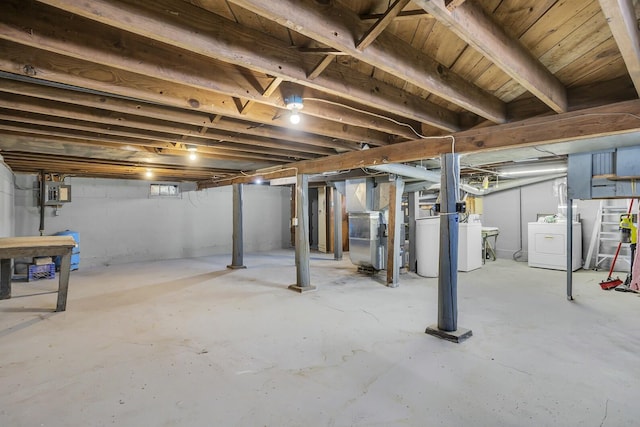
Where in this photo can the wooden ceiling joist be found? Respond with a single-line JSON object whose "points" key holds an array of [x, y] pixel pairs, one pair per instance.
{"points": [[137, 82], [67, 165], [133, 54], [406, 15], [137, 123], [39, 129], [472, 25], [167, 114], [338, 27], [377, 28], [251, 49], [71, 71]]}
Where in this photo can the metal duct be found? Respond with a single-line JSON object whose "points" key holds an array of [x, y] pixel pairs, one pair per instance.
{"points": [[431, 176]]}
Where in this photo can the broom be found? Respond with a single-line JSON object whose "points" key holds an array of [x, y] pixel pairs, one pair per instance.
{"points": [[610, 282]]}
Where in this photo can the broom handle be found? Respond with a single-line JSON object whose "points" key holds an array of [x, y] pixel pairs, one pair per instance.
{"points": [[613, 264]]}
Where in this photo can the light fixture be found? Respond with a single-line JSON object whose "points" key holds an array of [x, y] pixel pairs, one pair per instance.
{"points": [[258, 180], [294, 103], [192, 149], [539, 170], [148, 173]]}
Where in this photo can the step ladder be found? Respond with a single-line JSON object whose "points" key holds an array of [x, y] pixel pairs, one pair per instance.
{"points": [[606, 236]]}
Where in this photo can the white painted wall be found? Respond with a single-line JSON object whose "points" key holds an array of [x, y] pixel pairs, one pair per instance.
{"points": [[7, 192], [512, 210], [119, 223]]}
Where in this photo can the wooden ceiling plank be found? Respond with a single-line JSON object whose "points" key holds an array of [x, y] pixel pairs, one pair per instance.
{"points": [[62, 69], [609, 70], [557, 24], [133, 108], [335, 27], [623, 23], [582, 40], [381, 24], [576, 74], [471, 24], [612, 119], [586, 34], [257, 51]]}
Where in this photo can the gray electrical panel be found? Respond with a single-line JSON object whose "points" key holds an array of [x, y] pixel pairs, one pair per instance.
{"points": [[57, 193]]}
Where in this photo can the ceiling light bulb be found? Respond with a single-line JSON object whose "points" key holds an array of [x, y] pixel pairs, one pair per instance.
{"points": [[149, 174], [192, 149], [294, 117]]}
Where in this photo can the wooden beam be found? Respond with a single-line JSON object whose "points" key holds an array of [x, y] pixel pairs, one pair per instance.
{"points": [[132, 136], [472, 25], [183, 25], [613, 119], [407, 15], [321, 51], [133, 54], [40, 129], [623, 23], [271, 88], [380, 25], [65, 111], [452, 4], [335, 27], [195, 118], [321, 66], [61, 69], [21, 161]]}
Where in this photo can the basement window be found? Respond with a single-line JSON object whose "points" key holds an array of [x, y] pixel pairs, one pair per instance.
{"points": [[164, 190]]}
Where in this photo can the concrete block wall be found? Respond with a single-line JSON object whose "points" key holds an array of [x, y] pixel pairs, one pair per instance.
{"points": [[119, 223]]}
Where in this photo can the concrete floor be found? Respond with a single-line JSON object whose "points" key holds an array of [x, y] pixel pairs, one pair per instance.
{"points": [[190, 343]]}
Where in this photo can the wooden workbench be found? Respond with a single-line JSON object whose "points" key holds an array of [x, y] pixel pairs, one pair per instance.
{"points": [[18, 247]]}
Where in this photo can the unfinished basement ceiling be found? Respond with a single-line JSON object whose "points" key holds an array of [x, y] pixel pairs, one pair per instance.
{"points": [[111, 88]]}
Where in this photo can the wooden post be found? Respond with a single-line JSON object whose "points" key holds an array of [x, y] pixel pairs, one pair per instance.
{"points": [[5, 278], [237, 253], [63, 284], [303, 276], [394, 232]]}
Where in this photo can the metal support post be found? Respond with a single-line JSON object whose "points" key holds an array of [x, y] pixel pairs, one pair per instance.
{"points": [[303, 276], [237, 254], [447, 327], [413, 204], [338, 191], [569, 249]]}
